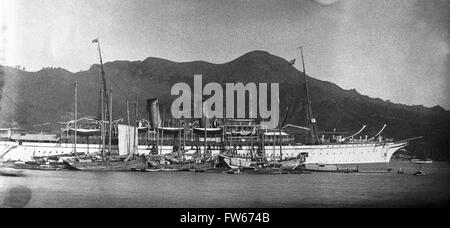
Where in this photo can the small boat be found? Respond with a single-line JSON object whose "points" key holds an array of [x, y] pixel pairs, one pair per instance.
{"points": [[153, 170], [234, 171], [35, 166], [169, 170], [419, 173], [89, 165], [10, 172], [235, 162], [422, 161], [329, 168]]}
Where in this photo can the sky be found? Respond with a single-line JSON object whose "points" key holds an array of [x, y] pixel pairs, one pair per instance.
{"points": [[397, 50]]}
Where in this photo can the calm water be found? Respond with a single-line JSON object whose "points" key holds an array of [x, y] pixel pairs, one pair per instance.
{"points": [[179, 189]]}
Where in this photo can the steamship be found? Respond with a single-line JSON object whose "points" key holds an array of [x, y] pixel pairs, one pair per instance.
{"points": [[243, 141], [237, 142]]}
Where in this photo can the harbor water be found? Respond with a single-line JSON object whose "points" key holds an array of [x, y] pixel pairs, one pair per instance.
{"points": [[186, 189]]}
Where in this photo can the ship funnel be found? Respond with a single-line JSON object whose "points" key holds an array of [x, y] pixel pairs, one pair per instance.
{"points": [[153, 112], [204, 122]]}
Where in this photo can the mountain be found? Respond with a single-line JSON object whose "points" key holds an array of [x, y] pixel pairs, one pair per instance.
{"points": [[44, 98]]}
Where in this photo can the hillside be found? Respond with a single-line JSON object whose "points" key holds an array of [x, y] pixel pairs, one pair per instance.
{"points": [[46, 96]]}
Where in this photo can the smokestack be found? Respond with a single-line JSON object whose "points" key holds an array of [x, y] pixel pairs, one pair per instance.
{"points": [[202, 122], [153, 112], [204, 118]]}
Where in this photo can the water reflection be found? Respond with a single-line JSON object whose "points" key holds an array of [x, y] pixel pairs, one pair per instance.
{"points": [[69, 189], [17, 197]]}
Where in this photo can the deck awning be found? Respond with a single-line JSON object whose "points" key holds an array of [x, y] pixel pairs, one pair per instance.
{"points": [[83, 132], [276, 133], [209, 131], [170, 130], [35, 137], [143, 129]]}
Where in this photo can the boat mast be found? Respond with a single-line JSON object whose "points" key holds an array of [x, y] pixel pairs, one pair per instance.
{"points": [[75, 113], [184, 137], [128, 128], [104, 99], [103, 76], [110, 120], [179, 136], [309, 113], [157, 134], [263, 145], [281, 140], [206, 132], [252, 125], [224, 128], [163, 125], [103, 125], [136, 144]]}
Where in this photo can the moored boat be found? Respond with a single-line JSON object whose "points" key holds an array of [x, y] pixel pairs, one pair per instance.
{"points": [[421, 161], [419, 173], [251, 145], [5, 171], [36, 166], [130, 165]]}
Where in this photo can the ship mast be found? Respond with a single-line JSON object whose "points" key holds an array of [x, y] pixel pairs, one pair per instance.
{"points": [[281, 140], [206, 132], [104, 100], [110, 122], [105, 89], [309, 113], [129, 124], [75, 113], [135, 137], [252, 125], [103, 133]]}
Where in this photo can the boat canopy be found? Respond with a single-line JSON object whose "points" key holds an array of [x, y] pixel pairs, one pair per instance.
{"points": [[170, 130], [243, 132], [85, 127], [275, 133], [83, 132], [212, 131], [143, 129]]}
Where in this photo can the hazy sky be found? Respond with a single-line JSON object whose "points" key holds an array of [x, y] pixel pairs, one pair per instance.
{"points": [[392, 49]]}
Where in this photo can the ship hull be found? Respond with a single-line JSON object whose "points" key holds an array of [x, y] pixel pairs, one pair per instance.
{"points": [[109, 165], [234, 162], [340, 155], [192, 167], [348, 154], [334, 154], [28, 151]]}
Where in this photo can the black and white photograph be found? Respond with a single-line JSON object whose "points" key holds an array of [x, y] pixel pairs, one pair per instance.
{"points": [[229, 104]]}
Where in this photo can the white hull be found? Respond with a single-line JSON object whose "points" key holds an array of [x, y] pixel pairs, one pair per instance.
{"points": [[336, 154], [418, 161], [341, 154], [28, 150], [236, 163]]}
